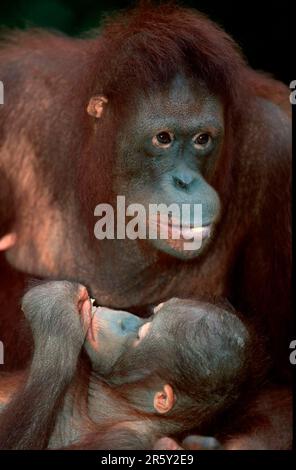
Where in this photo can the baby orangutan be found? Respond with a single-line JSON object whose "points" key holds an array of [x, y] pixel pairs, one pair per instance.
{"points": [[173, 372]]}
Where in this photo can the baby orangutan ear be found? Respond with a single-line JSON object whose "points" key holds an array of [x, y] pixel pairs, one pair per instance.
{"points": [[95, 106], [164, 401]]}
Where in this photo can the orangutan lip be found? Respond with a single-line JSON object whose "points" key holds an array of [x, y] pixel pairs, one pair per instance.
{"points": [[177, 224], [188, 231], [94, 302]]}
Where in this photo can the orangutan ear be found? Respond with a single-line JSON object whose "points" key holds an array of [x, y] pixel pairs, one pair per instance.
{"points": [[164, 401], [96, 105]]}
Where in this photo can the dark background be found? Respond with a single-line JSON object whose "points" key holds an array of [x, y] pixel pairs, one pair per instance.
{"points": [[262, 28]]}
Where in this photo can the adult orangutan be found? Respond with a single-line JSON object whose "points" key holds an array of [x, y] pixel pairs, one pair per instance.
{"points": [[159, 108]]}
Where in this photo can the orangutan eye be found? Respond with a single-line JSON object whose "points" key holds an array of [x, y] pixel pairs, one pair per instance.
{"points": [[163, 139], [202, 140]]}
